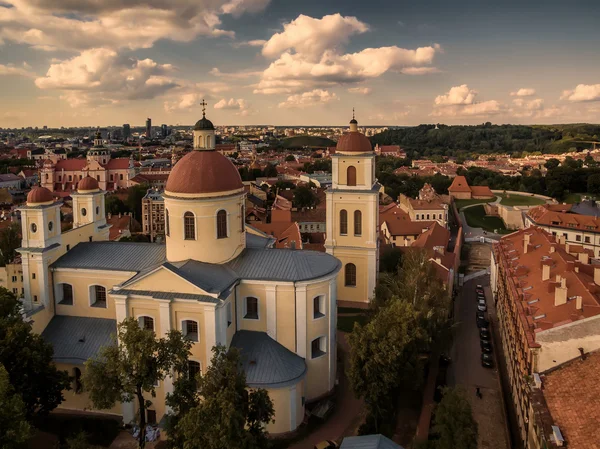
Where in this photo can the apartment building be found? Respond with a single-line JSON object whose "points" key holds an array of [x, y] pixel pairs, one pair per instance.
{"points": [[153, 214]]}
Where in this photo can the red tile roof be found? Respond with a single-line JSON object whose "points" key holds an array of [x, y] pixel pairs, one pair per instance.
{"points": [[121, 163], [70, 164], [545, 216], [481, 191], [399, 222], [459, 184]]}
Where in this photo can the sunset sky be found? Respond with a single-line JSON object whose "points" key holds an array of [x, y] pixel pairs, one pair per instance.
{"points": [[282, 62]]}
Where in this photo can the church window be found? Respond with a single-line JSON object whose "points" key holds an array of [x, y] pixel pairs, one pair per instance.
{"points": [[97, 210], [77, 385], [33, 228], [221, 224], [98, 296], [121, 177], [318, 307], [32, 275], [351, 175], [35, 298], [251, 308], [189, 226], [70, 178], [83, 211], [167, 224], [146, 322], [194, 369], [343, 222], [318, 347], [50, 226], [207, 141], [350, 275], [67, 294], [190, 330], [357, 222], [242, 218]]}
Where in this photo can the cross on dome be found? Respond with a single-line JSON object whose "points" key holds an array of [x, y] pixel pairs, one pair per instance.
{"points": [[203, 104]]}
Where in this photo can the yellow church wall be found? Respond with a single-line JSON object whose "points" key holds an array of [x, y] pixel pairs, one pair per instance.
{"points": [[181, 311], [344, 163], [82, 234], [358, 293], [40, 319], [352, 203], [257, 291], [206, 247], [286, 317], [230, 332], [282, 404], [82, 280], [145, 307]]}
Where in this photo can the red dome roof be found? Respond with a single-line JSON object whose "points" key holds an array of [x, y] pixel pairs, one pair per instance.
{"points": [[203, 172], [39, 195], [88, 183], [354, 142]]}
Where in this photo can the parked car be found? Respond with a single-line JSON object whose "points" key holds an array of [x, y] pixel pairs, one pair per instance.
{"points": [[484, 333], [486, 345], [481, 306], [487, 360], [480, 295], [480, 315], [479, 289], [483, 323], [327, 444]]}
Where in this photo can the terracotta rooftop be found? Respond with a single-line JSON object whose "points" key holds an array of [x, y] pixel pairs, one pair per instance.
{"points": [[572, 394], [547, 216], [459, 184], [399, 222], [552, 282], [481, 191]]}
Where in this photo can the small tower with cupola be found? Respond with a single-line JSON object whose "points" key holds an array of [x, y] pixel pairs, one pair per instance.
{"points": [[88, 207], [204, 132], [352, 216]]}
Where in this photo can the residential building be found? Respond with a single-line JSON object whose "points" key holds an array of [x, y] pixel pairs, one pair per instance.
{"points": [[428, 207], [126, 131], [149, 128], [396, 227], [390, 150], [547, 295], [153, 214]]}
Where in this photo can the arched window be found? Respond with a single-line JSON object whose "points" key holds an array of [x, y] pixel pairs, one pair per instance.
{"points": [[167, 225], [351, 176], [189, 226], [343, 222], [357, 222], [251, 308], [65, 294], [189, 329], [350, 275], [193, 369], [207, 141], [242, 218], [77, 385], [146, 322], [98, 296], [222, 224], [428, 216]]}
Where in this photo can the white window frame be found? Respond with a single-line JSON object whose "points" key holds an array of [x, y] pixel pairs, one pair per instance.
{"points": [[183, 327], [92, 295], [195, 226], [227, 222], [322, 311], [140, 320], [322, 347], [245, 309]]}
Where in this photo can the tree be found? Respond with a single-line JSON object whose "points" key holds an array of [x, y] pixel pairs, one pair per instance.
{"points": [[290, 158], [552, 163], [305, 197], [593, 183], [454, 421], [389, 260], [124, 371], [10, 240], [15, 430], [229, 414], [114, 205], [27, 358], [134, 200]]}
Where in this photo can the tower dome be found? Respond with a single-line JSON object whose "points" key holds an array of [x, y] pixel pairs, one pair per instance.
{"points": [[353, 141], [88, 184], [204, 124], [39, 195]]}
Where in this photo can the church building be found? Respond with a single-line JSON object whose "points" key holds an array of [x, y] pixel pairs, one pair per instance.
{"points": [[215, 279]]}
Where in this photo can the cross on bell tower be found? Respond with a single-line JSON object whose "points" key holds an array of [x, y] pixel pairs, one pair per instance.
{"points": [[203, 104]]}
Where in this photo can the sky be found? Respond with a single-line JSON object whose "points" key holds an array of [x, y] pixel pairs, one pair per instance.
{"points": [[282, 62]]}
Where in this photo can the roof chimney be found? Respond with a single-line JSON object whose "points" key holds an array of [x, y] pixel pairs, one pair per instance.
{"points": [[560, 293], [526, 240], [545, 272], [552, 248], [579, 302], [562, 240], [584, 257]]}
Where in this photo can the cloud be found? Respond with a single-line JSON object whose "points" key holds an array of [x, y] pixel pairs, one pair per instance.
{"points": [[233, 75], [251, 43], [457, 95], [11, 70], [240, 105], [102, 76], [419, 70], [190, 95], [523, 92], [583, 92], [307, 99], [360, 90], [309, 53], [81, 25]]}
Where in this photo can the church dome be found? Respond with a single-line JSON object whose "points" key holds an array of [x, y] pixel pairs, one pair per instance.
{"points": [[39, 195], [201, 172], [204, 124], [353, 142], [88, 183]]}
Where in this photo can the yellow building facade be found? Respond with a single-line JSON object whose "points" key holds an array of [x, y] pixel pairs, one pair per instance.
{"points": [[352, 216], [214, 279]]}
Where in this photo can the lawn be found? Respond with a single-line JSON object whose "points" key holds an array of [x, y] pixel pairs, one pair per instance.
{"points": [[462, 203], [508, 199], [476, 218]]}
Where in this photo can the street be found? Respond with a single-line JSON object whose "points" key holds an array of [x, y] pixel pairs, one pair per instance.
{"points": [[466, 369]]}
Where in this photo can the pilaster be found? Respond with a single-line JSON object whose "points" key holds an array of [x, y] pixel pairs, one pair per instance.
{"points": [[301, 321], [271, 311], [210, 330]]}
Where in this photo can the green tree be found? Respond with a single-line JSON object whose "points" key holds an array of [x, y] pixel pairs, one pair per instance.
{"points": [[15, 430], [290, 158], [28, 359], [134, 200], [128, 370], [593, 184], [552, 163], [229, 414], [454, 423], [390, 259], [305, 197], [10, 240], [80, 441], [114, 205]]}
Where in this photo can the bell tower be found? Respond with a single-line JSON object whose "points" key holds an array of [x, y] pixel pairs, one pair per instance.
{"points": [[204, 132], [353, 215]]}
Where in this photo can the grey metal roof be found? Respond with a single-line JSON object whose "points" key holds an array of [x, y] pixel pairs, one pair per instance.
{"points": [[113, 256], [369, 442], [267, 364], [258, 241], [165, 295], [212, 278], [286, 265], [75, 339]]}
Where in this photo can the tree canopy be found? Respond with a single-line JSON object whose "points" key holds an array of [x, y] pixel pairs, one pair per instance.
{"points": [[305, 197], [10, 240], [454, 423], [15, 430]]}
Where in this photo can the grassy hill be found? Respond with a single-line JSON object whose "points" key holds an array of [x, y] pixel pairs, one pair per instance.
{"points": [[307, 141]]}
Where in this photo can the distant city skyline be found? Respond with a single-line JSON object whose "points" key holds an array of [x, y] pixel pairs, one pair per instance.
{"points": [[285, 63]]}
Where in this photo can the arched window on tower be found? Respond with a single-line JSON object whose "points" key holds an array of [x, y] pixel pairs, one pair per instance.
{"points": [[357, 222], [350, 275], [351, 176], [343, 222], [222, 224], [189, 226], [207, 141], [167, 224]]}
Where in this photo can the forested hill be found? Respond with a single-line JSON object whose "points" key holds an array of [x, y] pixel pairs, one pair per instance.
{"points": [[488, 138]]}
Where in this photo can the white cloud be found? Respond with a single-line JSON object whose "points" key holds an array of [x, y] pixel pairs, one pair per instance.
{"points": [[523, 92], [250, 43], [583, 92], [8, 70], [457, 95], [100, 75], [240, 105], [233, 75], [307, 99], [309, 53], [419, 70], [360, 90], [190, 95]]}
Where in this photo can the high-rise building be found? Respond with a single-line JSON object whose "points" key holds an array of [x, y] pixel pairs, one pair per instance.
{"points": [[153, 214], [164, 130], [126, 131], [148, 127]]}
